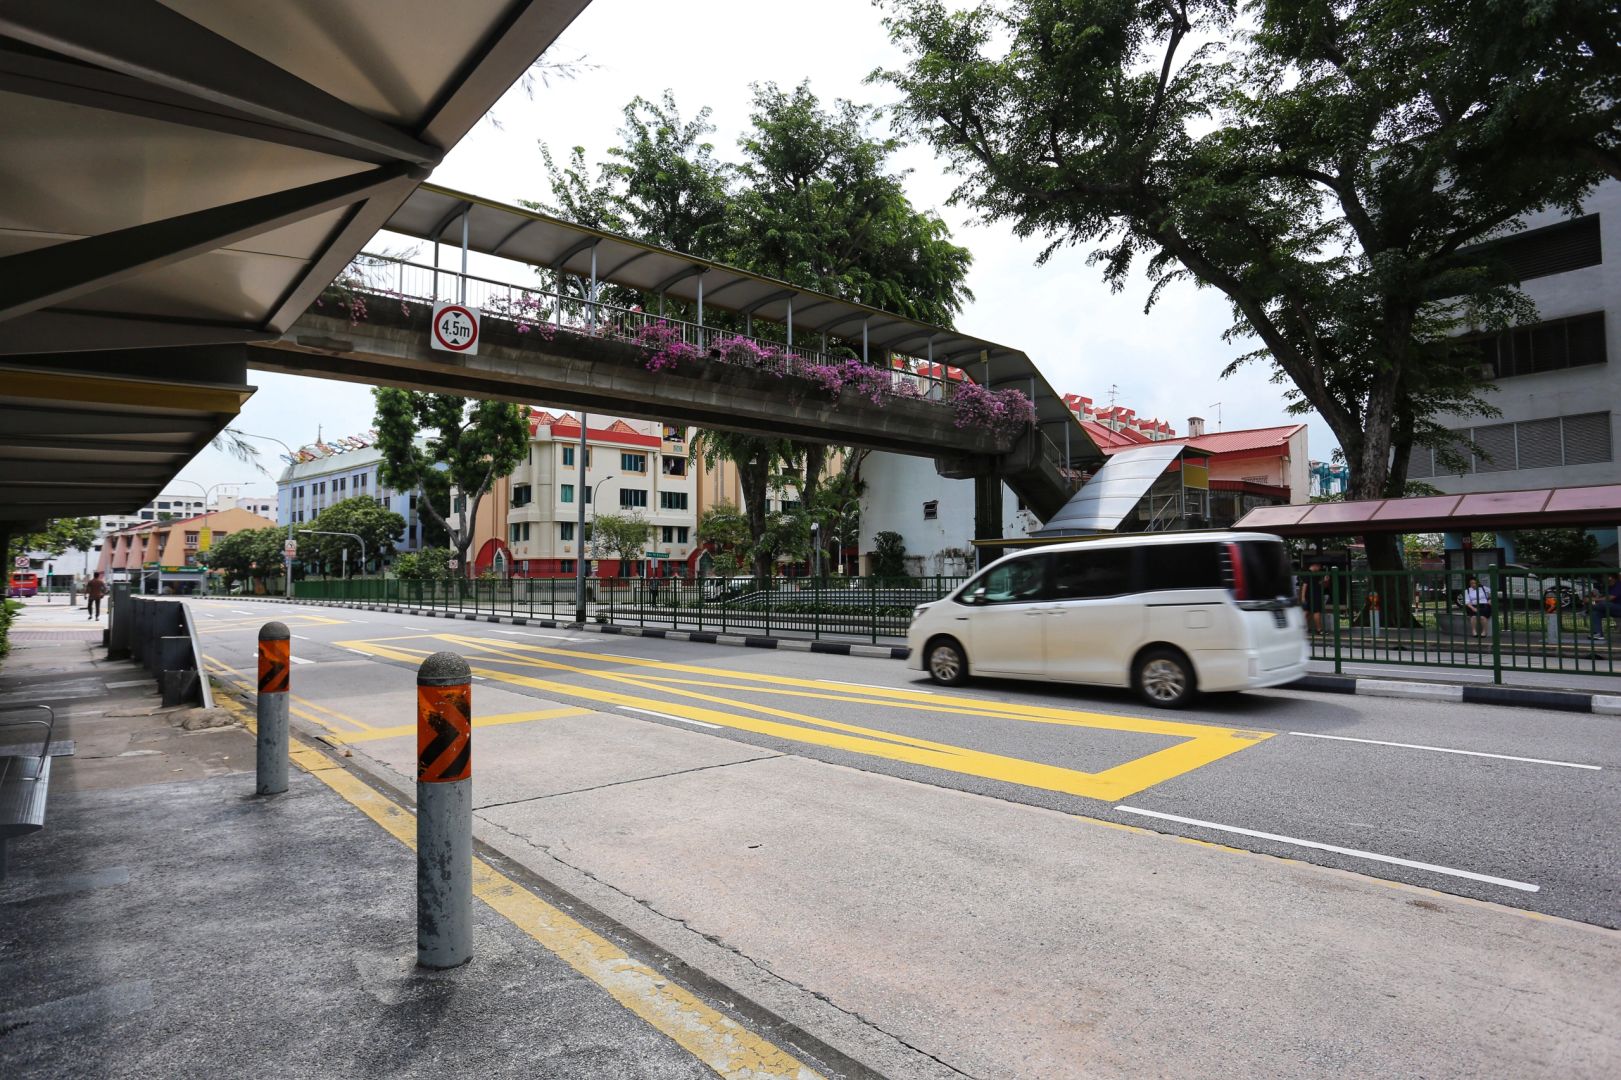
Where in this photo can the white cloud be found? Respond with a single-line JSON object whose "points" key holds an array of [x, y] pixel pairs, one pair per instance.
{"points": [[1085, 338]]}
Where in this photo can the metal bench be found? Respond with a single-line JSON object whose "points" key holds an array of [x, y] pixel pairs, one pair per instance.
{"points": [[24, 780]]}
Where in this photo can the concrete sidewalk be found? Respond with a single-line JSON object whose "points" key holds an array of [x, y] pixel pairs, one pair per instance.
{"points": [[933, 933], [166, 922]]}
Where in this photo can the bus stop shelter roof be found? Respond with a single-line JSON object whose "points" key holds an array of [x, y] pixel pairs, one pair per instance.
{"points": [[197, 171], [1595, 505], [437, 214]]}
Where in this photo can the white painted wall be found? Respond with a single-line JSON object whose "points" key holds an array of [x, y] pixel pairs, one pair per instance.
{"points": [[897, 487]]}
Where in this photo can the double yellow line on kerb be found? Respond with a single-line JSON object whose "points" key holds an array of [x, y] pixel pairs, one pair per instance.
{"points": [[715, 1039]]}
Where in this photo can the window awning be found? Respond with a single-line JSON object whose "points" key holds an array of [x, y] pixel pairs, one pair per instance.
{"points": [[1595, 505]]}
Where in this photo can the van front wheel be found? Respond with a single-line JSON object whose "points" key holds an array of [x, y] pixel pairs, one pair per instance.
{"points": [[1164, 678], [946, 663]]}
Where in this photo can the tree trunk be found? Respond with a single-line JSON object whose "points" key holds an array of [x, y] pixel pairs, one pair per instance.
{"points": [[754, 476]]}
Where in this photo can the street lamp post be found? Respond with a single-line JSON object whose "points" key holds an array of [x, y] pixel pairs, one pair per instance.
{"points": [[579, 564], [816, 549], [287, 556], [207, 491], [353, 536]]}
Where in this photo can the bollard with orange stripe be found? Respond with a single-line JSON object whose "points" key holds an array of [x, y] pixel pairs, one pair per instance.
{"points": [[444, 811], [275, 659]]}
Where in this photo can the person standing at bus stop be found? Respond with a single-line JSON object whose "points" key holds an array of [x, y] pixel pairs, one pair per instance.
{"points": [[1314, 596], [1608, 604], [93, 593]]}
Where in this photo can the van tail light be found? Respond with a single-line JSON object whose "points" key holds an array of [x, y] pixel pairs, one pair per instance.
{"points": [[1235, 558]]}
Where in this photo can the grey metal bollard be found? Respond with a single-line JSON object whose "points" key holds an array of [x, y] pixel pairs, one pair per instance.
{"points": [[444, 811], [275, 658]]}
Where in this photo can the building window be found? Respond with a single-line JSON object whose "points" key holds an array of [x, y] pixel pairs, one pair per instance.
{"points": [[566, 530], [388, 502], [790, 505], [1553, 249], [1542, 347], [931, 510], [681, 534], [191, 539], [458, 505], [518, 532], [1557, 441], [340, 484], [565, 493], [521, 495], [669, 534], [568, 457], [672, 500], [674, 465], [636, 463], [631, 498], [361, 481], [565, 566]]}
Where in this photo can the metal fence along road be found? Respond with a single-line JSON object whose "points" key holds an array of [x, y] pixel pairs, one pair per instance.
{"points": [[868, 608], [1553, 621]]}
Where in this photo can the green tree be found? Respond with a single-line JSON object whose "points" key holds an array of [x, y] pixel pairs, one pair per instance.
{"points": [[1556, 549], [619, 536], [758, 460], [427, 564], [248, 555], [726, 527], [1333, 173], [836, 507], [362, 515], [889, 556], [468, 446], [57, 536]]}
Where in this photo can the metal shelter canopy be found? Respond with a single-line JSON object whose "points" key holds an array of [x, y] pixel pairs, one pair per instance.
{"points": [[1598, 504], [197, 171], [438, 214], [1116, 489]]}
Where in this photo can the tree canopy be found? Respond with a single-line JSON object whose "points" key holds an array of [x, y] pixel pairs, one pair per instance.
{"points": [[249, 554], [1336, 169], [467, 446], [619, 536], [362, 515], [58, 535]]}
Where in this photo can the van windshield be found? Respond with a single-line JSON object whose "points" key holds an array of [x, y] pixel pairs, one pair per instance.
{"points": [[1267, 572]]}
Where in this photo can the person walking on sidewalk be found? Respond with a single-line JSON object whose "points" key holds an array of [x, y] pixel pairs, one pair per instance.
{"points": [[1477, 601], [93, 593], [1608, 604]]}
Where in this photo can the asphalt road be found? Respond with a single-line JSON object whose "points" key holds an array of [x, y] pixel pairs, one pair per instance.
{"points": [[1518, 807]]}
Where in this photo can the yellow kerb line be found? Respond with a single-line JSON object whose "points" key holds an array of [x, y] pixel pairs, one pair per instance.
{"points": [[715, 1039]]}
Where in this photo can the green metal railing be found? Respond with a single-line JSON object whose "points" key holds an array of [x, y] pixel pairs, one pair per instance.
{"points": [[1554, 621], [838, 607]]}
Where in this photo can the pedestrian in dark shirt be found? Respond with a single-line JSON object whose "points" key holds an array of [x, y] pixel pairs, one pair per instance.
{"points": [[1313, 597], [93, 593]]}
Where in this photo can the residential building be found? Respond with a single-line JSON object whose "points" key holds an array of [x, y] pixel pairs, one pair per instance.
{"points": [[149, 552], [1556, 396], [324, 473], [526, 526]]}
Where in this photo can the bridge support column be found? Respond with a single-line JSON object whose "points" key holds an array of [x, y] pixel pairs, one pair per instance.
{"points": [[988, 515]]}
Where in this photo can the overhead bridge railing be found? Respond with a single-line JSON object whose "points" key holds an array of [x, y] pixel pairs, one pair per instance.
{"points": [[545, 313]]}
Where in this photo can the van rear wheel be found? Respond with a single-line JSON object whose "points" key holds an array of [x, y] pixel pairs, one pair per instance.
{"points": [[1164, 678], [946, 662]]}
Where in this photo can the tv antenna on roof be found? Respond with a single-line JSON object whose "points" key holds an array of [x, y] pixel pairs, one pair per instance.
{"points": [[1217, 406]]}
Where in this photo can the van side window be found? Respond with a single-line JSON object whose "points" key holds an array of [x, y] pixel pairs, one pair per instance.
{"points": [[1018, 582], [1182, 566], [1079, 575]]}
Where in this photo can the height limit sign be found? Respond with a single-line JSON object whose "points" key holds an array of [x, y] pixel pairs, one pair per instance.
{"points": [[455, 328]]}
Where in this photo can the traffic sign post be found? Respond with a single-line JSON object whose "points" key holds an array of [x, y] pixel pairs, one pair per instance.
{"points": [[455, 329]]}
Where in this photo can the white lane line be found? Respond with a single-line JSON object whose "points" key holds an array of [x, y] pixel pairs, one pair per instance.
{"points": [[669, 716], [1447, 750], [517, 633], [128, 683], [301, 637], [300, 659], [1523, 886], [357, 652], [239, 611], [429, 629], [481, 678], [876, 686]]}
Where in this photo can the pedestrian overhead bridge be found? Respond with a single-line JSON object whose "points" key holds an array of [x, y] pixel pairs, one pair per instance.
{"points": [[563, 306]]}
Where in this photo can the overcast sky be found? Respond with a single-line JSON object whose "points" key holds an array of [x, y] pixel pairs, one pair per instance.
{"points": [[1085, 338]]}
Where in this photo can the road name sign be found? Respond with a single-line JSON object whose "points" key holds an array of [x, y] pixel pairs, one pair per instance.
{"points": [[455, 329]]}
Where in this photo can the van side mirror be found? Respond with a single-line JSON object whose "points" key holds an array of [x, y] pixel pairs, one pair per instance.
{"points": [[976, 597]]}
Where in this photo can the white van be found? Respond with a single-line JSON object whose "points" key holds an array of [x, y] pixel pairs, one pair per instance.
{"points": [[1168, 615]]}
